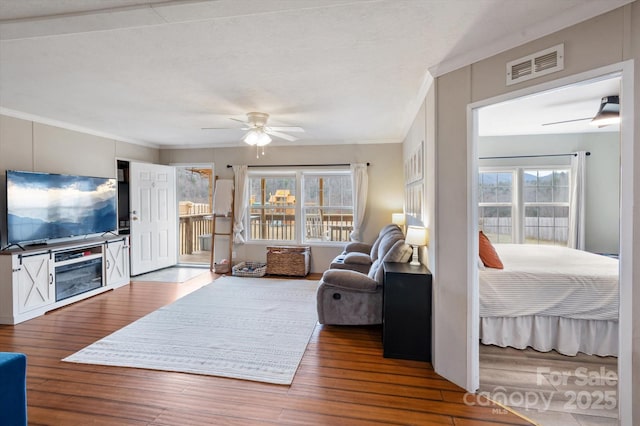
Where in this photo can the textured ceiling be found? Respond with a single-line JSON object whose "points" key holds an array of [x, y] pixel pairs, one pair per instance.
{"points": [[567, 109], [347, 71]]}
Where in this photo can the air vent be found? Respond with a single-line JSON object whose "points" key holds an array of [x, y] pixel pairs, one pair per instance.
{"points": [[536, 65]]}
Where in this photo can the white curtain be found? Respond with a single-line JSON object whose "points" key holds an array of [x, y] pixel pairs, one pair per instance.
{"points": [[577, 202], [360, 185], [240, 202]]}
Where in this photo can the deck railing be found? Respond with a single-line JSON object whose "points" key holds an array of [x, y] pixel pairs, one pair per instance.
{"points": [[283, 227], [192, 229], [195, 229]]}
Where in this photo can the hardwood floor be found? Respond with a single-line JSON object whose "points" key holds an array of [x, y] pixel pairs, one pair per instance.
{"points": [[342, 380], [550, 388]]}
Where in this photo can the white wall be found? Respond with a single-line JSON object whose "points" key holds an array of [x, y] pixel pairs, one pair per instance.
{"points": [[607, 39], [385, 183], [32, 146], [603, 175], [422, 131]]}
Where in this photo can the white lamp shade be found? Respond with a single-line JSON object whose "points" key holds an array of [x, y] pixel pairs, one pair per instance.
{"points": [[397, 218], [256, 137], [417, 236], [264, 139], [251, 137]]}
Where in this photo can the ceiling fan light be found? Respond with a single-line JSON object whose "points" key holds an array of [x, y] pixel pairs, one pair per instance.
{"points": [[252, 137], [609, 112], [606, 121], [263, 139]]}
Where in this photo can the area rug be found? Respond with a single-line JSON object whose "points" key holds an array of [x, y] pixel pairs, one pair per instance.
{"points": [[173, 274], [245, 328]]}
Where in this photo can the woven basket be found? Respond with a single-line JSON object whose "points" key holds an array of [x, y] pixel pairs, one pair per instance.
{"points": [[288, 260], [253, 269]]}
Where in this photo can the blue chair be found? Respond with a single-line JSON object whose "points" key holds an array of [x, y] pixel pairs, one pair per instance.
{"points": [[13, 389]]}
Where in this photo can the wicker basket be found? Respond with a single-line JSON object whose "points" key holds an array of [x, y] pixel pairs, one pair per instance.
{"points": [[249, 269], [288, 260]]}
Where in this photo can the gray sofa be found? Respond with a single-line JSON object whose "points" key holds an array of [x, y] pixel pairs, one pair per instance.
{"points": [[358, 256], [354, 297]]}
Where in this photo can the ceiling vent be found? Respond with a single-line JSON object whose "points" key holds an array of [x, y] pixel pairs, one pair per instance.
{"points": [[536, 65]]}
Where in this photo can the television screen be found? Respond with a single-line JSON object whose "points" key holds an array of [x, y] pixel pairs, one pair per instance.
{"points": [[44, 206]]}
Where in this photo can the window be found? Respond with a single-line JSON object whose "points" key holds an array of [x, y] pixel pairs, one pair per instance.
{"points": [[328, 207], [271, 204], [538, 213], [321, 211], [546, 206], [496, 200]]}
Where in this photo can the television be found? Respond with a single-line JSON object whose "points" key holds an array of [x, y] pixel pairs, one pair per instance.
{"points": [[47, 206]]}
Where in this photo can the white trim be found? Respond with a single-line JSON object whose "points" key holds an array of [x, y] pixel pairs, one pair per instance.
{"points": [[300, 142], [626, 70], [625, 366], [68, 126], [415, 105], [473, 299]]}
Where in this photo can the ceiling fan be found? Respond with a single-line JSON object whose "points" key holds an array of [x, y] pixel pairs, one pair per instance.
{"points": [[609, 113], [258, 133]]}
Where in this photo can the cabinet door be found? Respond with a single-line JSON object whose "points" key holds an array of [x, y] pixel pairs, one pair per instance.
{"points": [[35, 281], [117, 262]]}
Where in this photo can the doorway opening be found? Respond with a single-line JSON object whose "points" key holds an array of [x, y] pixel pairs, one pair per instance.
{"points": [[194, 189], [522, 194]]}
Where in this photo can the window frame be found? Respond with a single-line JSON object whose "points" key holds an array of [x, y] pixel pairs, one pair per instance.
{"points": [[538, 204], [512, 204], [518, 205], [299, 175]]}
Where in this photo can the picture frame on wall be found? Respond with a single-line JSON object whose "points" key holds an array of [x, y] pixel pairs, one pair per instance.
{"points": [[414, 183], [413, 167]]}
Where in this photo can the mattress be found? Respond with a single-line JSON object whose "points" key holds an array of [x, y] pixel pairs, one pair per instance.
{"points": [[550, 281]]}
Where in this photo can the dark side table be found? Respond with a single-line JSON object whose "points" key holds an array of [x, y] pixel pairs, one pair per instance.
{"points": [[406, 311]]}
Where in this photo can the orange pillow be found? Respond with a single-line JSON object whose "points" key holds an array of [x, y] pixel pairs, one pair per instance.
{"points": [[488, 253]]}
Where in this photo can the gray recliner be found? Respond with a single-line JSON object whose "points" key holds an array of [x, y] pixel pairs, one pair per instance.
{"points": [[347, 297], [358, 256]]}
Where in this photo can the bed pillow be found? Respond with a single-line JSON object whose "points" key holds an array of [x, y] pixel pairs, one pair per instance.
{"points": [[488, 253]]}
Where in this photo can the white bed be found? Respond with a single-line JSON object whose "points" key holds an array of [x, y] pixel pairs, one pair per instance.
{"points": [[549, 297]]}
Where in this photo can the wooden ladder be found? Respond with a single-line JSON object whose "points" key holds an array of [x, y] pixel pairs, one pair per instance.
{"points": [[229, 234]]}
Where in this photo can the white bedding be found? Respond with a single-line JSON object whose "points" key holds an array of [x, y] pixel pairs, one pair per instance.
{"points": [[550, 281]]}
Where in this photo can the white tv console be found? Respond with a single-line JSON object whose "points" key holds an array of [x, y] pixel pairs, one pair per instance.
{"points": [[39, 279]]}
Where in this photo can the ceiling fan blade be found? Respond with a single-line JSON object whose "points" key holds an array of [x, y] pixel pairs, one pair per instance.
{"points": [[246, 126], [566, 121], [281, 135], [286, 129], [226, 128]]}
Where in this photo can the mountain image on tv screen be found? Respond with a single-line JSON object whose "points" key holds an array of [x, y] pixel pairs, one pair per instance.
{"points": [[43, 206]]}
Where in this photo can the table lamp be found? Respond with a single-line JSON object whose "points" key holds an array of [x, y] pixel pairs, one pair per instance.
{"points": [[416, 236]]}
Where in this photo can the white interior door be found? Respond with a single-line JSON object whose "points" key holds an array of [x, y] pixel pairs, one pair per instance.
{"points": [[153, 217]]}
